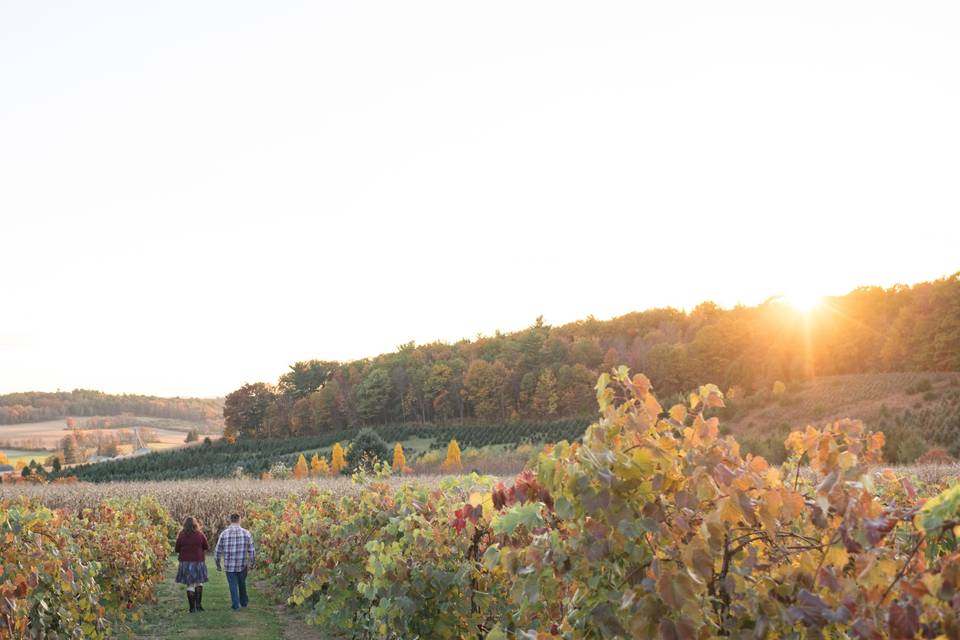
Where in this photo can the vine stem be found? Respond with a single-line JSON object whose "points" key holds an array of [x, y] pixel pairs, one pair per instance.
{"points": [[903, 569]]}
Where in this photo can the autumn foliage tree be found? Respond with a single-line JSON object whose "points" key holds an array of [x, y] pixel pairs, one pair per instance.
{"points": [[399, 460], [300, 470], [319, 466], [338, 459], [452, 461], [548, 372]]}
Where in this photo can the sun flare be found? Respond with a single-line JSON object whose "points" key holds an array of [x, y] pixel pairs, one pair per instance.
{"points": [[803, 302]]}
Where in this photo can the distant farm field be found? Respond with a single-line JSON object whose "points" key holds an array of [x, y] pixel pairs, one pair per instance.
{"points": [[15, 455], [47, 435]]}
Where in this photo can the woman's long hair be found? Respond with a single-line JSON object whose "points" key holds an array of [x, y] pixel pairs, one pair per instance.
{"points": [[191, 525]]}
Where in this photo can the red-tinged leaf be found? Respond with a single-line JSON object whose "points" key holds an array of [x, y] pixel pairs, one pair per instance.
{"points": [[642, 383], [877, 528], [908, 487], [904, 621], [865, 630], [723, 474]]}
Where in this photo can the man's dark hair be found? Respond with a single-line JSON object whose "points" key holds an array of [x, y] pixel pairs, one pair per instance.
{"points": [[234, 517]]}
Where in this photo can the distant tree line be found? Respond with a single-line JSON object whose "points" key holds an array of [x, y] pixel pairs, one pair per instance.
{"points": [[36, 406], [546, 373]]}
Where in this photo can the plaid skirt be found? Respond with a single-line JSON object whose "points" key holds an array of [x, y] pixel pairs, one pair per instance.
{"points": [[192, 572]]}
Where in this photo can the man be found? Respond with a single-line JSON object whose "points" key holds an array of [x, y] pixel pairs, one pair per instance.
{"points": [[234, 554]]}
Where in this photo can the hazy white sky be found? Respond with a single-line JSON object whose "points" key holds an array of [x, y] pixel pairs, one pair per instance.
{"points": [[195, 194]]}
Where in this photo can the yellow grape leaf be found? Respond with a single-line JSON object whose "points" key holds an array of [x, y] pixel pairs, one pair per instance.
{"points": [[794, 443], [678, 412], [653, 407], [846, 460], [770, 504], [773, 477], [837, 557], [729, 511], [792, 505], [757, 465]]}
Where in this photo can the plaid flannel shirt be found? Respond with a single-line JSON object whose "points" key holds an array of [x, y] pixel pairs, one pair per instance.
{"points": [[234, 549]]}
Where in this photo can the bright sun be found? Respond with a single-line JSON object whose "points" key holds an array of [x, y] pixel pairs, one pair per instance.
{"points": [[803, 302]]}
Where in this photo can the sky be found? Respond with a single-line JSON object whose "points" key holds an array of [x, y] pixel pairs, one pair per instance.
{"points": [[194, 195]]}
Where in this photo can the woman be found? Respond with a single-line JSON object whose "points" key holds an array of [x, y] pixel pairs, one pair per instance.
{"points": [[191, 545]]}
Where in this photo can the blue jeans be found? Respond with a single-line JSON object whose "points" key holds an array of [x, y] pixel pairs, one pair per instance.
{"points": [[237, 580]]}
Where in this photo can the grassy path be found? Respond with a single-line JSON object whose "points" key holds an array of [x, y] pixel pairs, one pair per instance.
{"points": [[264, 619]]}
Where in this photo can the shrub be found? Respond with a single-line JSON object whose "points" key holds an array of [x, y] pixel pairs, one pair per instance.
{"points": [[935, 455]]}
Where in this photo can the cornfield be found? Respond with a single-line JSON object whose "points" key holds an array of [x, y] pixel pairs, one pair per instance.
{"points": [[212, 501]]}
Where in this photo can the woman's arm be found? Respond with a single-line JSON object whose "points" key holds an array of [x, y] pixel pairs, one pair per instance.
{"points": [[206, 545], [176, 547]]}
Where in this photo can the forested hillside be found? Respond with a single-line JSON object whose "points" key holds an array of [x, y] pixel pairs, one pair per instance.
{"points": [[37, 406], [545, 372]]}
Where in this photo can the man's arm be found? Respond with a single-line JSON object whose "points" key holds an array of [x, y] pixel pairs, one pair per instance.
{"points": [[218, 552]]}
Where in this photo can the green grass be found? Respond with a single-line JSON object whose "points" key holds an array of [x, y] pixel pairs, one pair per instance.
{"points": [[169, 617]]}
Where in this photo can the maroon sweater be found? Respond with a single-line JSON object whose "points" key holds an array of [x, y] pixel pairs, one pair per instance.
{"points": [[191, 546]]}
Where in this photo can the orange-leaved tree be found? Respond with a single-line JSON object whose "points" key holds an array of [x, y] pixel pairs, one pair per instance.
{"points": [[300, 469], [399, 460]]}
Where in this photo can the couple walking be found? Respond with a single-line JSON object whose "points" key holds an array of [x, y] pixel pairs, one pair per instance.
{"points": [[233, 554]]}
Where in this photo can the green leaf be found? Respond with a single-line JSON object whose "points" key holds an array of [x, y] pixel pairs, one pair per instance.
{"points": [[942, 508], [527, 515]]}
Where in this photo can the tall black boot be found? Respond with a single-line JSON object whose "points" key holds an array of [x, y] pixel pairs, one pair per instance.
{"points": [[199, 597], [192, 600]]}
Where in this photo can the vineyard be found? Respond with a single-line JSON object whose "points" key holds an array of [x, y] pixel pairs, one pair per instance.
{"points": [[254, 456], [68, 574], [651, 525]]}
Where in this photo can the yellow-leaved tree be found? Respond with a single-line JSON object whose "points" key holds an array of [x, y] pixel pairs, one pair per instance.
{"points": [[399, 460], [452, 463], [300, 469], [337, 459], [319, 466]]}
